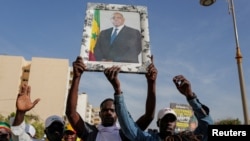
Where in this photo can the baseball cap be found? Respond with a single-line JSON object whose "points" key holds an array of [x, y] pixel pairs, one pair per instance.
{"points": [[30, 130], [68, 127], [164, 112], [52, 119]]}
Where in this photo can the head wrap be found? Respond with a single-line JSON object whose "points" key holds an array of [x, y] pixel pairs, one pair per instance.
{"points": [[5, 125]]}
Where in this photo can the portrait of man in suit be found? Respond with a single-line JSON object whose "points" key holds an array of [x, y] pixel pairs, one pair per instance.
{"points": [[120, 43]]}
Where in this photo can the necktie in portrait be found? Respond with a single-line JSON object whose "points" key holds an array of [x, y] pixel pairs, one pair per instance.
{"points": [[113, 36]]}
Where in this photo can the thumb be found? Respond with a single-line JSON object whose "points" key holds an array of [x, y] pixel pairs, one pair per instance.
{"points": [[35, 102]]}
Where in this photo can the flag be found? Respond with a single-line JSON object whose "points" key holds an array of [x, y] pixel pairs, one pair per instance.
{"points": [[94, 34]]}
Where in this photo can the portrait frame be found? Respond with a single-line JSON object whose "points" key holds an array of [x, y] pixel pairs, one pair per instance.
{"points": [[91, 31]]}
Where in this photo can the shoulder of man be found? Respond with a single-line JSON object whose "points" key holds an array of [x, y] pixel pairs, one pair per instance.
{"points": [[130, 28], [108, 29], [90, 134]]}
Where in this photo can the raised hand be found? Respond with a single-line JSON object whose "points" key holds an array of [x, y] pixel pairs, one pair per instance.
{"points": [[151, 74], [23, 101], [78, 67], [183, 85], [112, 75]]}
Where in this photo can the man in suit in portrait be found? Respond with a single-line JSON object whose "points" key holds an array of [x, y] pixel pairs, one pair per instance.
{"points": [[119, 43]]}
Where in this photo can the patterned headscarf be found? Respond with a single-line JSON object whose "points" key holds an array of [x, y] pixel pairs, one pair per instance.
{"points": [[5, 125]]}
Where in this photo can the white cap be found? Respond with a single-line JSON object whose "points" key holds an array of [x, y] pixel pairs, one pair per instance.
{"points": [[52, 119], [164, 112], [30, 129]]}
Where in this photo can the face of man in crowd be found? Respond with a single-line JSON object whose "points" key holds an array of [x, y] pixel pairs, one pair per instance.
{"points": [[117, 19], [55, 131], [167, 124], [107, 113], [69, 136], [192, 126], [4, 135]]}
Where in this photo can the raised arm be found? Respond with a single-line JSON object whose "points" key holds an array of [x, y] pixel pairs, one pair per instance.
{"points": [[201, 111], [151, 75], [73, 116], [112, 76], [128, 126], [23, 105]]}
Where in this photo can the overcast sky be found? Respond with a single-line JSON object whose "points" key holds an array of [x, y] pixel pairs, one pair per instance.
{"points": [[185, 38]]}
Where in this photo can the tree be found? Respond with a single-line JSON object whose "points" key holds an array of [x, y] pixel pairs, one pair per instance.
{"points": [[228, 121], [2, 118], [30, 119]]}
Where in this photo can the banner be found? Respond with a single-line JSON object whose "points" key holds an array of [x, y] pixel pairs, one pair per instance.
{"points": [[184, 116]]}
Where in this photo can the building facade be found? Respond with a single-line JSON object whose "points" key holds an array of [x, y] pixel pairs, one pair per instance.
{"points": [[50, 80]]}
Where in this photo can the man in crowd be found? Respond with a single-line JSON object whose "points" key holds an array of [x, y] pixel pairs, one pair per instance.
{"points": [[5, 133], [108, 129], [166, 117], [69, 133], [54, 125]]}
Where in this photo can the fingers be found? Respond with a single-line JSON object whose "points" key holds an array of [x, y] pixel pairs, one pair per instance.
{"points": [[177, 79], [28, 90], [180, 81], [22, 89], [112, 71], [79, 65], [152, 70], [35, 102], [79, 58], [152, 58], [25, 89]]}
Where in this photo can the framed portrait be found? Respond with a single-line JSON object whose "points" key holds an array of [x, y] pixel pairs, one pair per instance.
{"points": [[116, 35]]}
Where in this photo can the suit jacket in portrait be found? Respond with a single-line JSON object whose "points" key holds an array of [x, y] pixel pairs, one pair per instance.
{"points": [[125, 48]]}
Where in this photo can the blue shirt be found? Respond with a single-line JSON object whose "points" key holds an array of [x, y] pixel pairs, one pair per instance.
{"points": [[134, 133]]}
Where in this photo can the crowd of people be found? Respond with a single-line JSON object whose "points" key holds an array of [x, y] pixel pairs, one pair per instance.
{"points": [[116, 122]]}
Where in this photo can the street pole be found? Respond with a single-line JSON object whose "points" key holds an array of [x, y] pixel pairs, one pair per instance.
{"points": [[238, 57], [239, 64]]}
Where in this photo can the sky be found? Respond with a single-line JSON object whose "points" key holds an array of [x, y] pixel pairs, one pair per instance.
{"points": [[185, 38]]}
